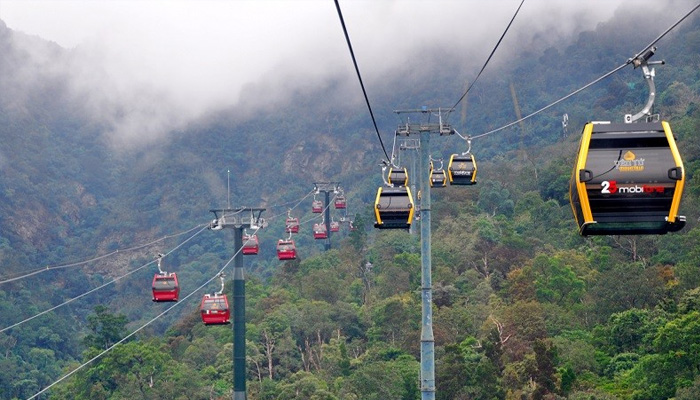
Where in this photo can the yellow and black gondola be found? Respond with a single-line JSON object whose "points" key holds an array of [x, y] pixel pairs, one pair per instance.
{"points": [[398, 176], [438, 177], [628, 180], [462, 169], [393, 208]]}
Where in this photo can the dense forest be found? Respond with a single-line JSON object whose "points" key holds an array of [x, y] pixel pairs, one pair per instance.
{"points": [[524, 307]]}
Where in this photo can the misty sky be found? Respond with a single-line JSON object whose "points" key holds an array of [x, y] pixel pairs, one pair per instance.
{"points": [[191, 57]]}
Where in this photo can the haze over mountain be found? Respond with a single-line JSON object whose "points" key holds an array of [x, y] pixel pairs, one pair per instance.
{"points": [[141, 80]]}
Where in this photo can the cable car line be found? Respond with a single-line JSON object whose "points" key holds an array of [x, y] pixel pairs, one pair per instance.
{"points": [[290, 209], [550, 105], [487, 61], [101, 286], [219, 273], [663, 34], [629, 61], [136, 330], [359, 77], [75, 264], [298, 202], [321, 214]]}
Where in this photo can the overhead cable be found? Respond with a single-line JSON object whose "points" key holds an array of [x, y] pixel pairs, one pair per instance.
{"points": [[359, 77], [298, 202], [629, 61], [488, 59], [550, 105], [79, 263], [653, 42], [99, 287], [127, 337]]}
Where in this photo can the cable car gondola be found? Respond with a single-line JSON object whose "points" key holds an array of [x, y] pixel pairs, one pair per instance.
{"points": [[317, 206], [438, 177], [320, 231], [215, 309], [292, 225], [251, 246], [286, 249], [393, 208], [340, 202], [165, 287], [462, 169], [335, 226], [398, 176], [628, 180]]}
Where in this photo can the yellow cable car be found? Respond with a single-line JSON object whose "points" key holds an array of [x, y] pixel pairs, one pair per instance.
{"points": [[393, 208], [628, 180], [398, 176], [462, 169], [438, 177]]}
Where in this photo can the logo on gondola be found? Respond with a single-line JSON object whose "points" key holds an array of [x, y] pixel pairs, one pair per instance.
{"points": [[630, 163], [610, 187], [461, 168]]}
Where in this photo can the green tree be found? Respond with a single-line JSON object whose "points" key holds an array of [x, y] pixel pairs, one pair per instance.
{"points": [[275, 341], [305, 386], [493, 198], [107, 328], [384, 380], [630, 331], [545, 357], [475, 374], [689, 392], [644, 287], [451, 374], [674, 364], [136, 370], [577, 354], [394, 320], [555, 281]]}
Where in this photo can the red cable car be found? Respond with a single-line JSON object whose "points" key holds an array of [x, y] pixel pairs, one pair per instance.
{"points": [[165, 287], [292, 225], [340, 201], [317, 206], [250, 245], [286, 250], [215, 309], [320, 231], [335, 226]]}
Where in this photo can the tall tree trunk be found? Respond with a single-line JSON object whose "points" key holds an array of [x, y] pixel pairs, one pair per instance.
{"points": [[269, 348]]}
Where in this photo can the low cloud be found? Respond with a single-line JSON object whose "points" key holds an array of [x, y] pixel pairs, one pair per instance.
{"points": [[143, 69]]}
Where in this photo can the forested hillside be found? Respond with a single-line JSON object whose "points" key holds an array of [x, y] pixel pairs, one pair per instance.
{"points": [[524, 307]]}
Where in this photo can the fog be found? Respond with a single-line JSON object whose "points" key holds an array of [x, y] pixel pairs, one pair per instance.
{"points": [[145, 68]]}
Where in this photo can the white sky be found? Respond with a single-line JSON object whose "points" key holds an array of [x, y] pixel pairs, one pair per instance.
{"points": [[199, 55]]}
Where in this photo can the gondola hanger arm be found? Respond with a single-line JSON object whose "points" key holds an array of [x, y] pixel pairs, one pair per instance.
{"points": [[159, 257], [469, 145], [649, 74], [384, 166], [221, 276]]}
